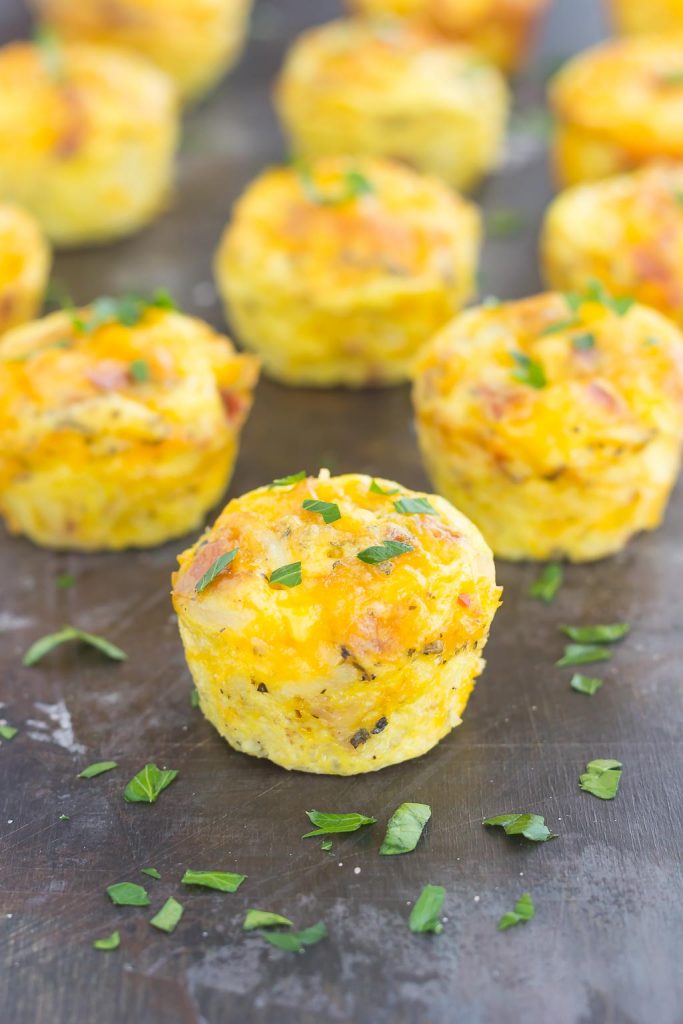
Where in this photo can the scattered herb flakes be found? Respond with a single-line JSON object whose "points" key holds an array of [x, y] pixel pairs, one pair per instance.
{"points": [[65, 580], [548, 583], [405, 828], [528, 371], [8, 732], [194, 698], [224, 881], [286, 575], [524, 911], [583, 342], [415, 507], [329, 510], [50, 52], [326, 845], [505, 222], [602, 778], [168, 917], [264, 919], [64, 817], [150, 781], [383, 552], [139, 371], [531, 826], [375, 488], [558, 327], [288, 481], [48, 643], [583, 654], [296, 942], [215, 569], [152, 872], [585, 684], [354, 186], [128, 310], [128, 894], [329, 823], [424, 917], [112, 941], [595, 291], [98, 768], [596, 634]]}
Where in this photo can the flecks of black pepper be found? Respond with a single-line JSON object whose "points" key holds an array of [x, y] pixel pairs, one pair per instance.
{"points": [[262, 688], [360, 737], [380, 725]]}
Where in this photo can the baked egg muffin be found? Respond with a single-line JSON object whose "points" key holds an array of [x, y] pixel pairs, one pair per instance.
{"points": [[625, 231], [336, 272], [336, 624], [617, 106], [119, 424], [193, 41], [24, 266], [393, 89], [87, 138], [555, 422], [647, 15], [500, 29]]}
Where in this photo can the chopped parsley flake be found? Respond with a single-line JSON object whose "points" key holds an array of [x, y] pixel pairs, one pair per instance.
{"points": [[288, 481], [48, 643], [383, 552], [152, 872], [583, 654], [139, 371], [98, 768], [376, 489], [128, 894], [558, 327], [112, 941], [286, 575], [150, 781], [64, 817], [583, 342], [602, 778], [354, 186], [424, 917], [330, 823], [296, 942], [215, 569], [8, 732], [528, 371], [585, 684], [414, 507], [264, 919], [531, 826], [524, 911], [168, 917], [548, 583], [194, 698], [65, 580], [329, 510], [596, 634], [128, 310], [223, 881], [405, 828]]}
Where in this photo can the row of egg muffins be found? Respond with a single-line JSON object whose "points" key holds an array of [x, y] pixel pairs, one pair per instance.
{"points": [[336, 624]]}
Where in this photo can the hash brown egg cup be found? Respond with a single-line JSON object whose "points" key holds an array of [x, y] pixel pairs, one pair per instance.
{"points": [[24, 266], [358, 665], [647, 15], [120, 430], [393, 89], [617, 106], [500, 29], [87, 139], [554, 423], [193, 41], [625, 231], [337, 273]]}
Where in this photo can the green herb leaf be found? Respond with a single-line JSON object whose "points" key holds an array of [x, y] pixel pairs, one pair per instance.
{"points": [[264, 919], [48, 643], [528, 371], [596, 634], [596, 292], [295, 942], [288, 481], [585, 684], [150, 781], [127, 310], [548, 583], [583, 654], [64, 817], [376, 489], [414, 507], [112, 941], [524, 911], [139, 371], [355, 185], [329, 823], [583, 342], [287, 575], [98, 768], [405, 828], [168, 917], [65, 580], [128, 894], [152, 872], [504, 223], [8, 732], [51, 52], [424, 917], [531, 826], [329, 510], [215, 569], [224, 881], [558, 327], [383, 552], [602, 778], [194, 698], [326, 845]]}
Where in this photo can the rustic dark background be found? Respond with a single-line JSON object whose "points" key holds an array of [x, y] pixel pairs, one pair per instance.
{"points": [[605, 947]]}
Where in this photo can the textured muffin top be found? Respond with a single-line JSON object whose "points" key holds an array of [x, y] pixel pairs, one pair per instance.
{"points": [[432, 587], [553, 382], [455, 15], [57, 99], [628, 90], [341, 224], [380, 65], [24, 252], [100, 379]]}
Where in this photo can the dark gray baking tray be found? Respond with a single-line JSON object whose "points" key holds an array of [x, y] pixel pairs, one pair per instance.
{"points": [[605, 946]]}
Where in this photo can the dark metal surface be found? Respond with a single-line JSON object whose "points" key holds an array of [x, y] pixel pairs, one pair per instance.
{"points": [[605, 947]]}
